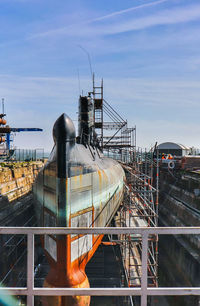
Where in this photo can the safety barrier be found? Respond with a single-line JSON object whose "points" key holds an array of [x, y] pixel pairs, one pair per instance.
{"points": [[30, 291]]}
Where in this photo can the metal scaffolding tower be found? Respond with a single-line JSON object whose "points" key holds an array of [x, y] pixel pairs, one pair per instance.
{"points": [[140, 206], [98, 110], [140, 209], [112, 130]]}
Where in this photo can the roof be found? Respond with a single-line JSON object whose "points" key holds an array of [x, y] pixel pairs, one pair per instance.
{"points": [[172, 145], [183, 147]]}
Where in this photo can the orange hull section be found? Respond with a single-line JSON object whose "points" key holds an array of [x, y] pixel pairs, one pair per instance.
{"points": [[63, 273], [68, 300]]}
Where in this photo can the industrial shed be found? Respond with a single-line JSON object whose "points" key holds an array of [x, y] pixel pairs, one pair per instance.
{"points": [[175, 149]]}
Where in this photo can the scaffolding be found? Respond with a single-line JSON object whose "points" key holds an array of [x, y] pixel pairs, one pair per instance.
{"points": [[113, 134], [98, 110], [140, 205], [140, 209]]}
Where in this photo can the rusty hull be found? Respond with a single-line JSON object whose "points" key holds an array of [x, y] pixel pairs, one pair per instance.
{"points": [[86, 193]]}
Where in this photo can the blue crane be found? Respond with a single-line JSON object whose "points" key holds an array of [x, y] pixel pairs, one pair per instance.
{"points": [[6, 130], [14, 130], [26, 130]]}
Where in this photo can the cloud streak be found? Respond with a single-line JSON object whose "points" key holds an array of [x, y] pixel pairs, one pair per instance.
{"points": [[134, 8], [166, 17], [63, 30], [175, 15]]}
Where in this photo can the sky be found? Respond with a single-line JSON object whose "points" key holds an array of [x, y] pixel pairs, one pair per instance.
{"points": [[147, 52]]}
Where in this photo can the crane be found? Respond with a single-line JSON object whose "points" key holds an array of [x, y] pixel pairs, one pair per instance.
{"points": [[6, 131]]}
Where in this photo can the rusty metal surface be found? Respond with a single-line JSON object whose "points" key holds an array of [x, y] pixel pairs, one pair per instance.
{"points": [[78, 186]]}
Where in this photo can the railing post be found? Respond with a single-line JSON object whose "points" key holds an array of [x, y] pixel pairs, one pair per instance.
{"points": [[144, 268], [30, 269]]}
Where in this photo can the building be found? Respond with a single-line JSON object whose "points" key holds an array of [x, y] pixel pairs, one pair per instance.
{"points": [[175, 149]]}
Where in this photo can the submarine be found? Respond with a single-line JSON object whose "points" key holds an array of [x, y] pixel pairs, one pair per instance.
{"points": [[77, 187]]}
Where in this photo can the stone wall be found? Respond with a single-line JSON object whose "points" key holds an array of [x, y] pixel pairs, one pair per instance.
{"points": [[16, 179], [16, 209]]}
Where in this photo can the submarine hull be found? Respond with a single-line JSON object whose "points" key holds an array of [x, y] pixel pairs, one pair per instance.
{"points": [[86, 193]]}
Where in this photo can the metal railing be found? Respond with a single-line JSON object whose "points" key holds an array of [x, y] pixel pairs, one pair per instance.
{"points": [[26, 154], [30, 291], [22, 154]]}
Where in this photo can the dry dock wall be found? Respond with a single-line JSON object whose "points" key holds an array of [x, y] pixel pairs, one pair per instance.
{"points": [[16, 179], [16, 209], [180, 255]]}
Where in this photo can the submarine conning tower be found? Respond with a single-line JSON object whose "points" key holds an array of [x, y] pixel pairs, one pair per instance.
{"points": [[86, 121]]}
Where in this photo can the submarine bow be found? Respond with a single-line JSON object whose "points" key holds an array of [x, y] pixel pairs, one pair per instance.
{"points": [[78, 187]]}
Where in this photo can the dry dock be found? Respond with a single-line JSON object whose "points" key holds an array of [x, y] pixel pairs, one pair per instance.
{"points": [[180, 206]]}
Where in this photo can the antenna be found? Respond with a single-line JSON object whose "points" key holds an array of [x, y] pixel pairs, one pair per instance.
{"points": [[89, 59], [2, 105], [79, 84]]}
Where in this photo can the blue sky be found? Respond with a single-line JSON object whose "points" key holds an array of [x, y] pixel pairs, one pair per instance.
{"points": [[146, 51]]}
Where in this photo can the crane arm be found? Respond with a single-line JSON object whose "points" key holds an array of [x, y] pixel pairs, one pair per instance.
{"points": [[26, 130]]}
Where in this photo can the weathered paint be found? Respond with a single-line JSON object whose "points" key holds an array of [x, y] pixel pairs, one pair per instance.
{"points": [[93, 191]]}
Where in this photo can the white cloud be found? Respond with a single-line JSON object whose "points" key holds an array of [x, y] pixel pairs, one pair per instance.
{"points": [[131, 9], [77, 26], [165, 17], [174, 15]]}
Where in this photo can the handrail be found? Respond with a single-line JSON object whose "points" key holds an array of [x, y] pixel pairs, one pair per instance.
{"points": [[30, 291]]}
